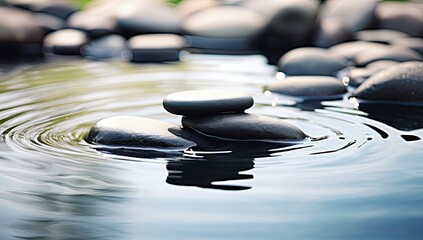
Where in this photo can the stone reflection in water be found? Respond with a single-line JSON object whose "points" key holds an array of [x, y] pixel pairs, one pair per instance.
{"points": [[76, 205]]}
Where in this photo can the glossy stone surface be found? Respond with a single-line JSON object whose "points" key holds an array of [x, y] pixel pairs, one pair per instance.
{"points": [[402, 82], [110, 46], [311, 61], [241, 126], [129, 131], [350, 50], [308, 86], [156, 47], [398, 54], [65, 42], [401, 16], [206, 102], [379, 35]]}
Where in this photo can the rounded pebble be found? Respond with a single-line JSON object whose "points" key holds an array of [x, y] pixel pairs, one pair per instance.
{"points": [[379, 35], [205, 102], [65, 42], [350, 50], [156, 47], [308, 86], [389, 53], [243, 127], [402, 82], [311, 61], [129, 131]]}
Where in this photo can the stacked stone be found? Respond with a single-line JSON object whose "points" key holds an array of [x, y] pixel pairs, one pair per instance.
{"points": [[206, 114]]}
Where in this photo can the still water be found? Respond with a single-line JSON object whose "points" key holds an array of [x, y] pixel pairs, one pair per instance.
{"points": [[360, 177]]}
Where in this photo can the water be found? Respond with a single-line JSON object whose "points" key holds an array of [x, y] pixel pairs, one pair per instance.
{"points": [[359, 178]]}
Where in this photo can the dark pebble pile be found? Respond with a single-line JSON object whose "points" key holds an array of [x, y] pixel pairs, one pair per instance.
{"points": [[206, 114], [367, 49]]}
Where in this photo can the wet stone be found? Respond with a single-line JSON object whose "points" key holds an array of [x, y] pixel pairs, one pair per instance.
{"points": [[156, 47], [137, 132], [110, 46], [308, 86], [65, 42], [58, 8], [311, 61], [398, 54], [206, 102], [243, 127], [401, 16], [350, 50], [94, 25], [402, 82], [49, 23], [383, 36], [414, 43], [331, 31]]}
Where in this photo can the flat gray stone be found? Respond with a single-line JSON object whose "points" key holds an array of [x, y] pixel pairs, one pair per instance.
{"points": [[65, 42], [331, 31], [308, 86], [110, 46], [402, 82], [130, 132], [311, 61], [350, 50], [401, 16], [224, 22], [19, 26], [156, 47], [206, 102], [398, 54], [410, 42], [243, 127], [383, 36]]}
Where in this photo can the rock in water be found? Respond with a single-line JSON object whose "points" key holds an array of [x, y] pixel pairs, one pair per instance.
{"points": [[110, 46], [65, 42], [308, 86], [350, 50], [311, 61], [383, 36], [156, 47], [243, 127], [128, 131], [402, 82], [391, 53], [206, 102]]}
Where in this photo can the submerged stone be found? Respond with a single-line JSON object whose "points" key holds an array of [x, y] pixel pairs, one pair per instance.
{"points": [[311, 61], [402, 82], [243, 127], [308, 86], [65, 42], [129, 131], [156, 47], [206, 102]]}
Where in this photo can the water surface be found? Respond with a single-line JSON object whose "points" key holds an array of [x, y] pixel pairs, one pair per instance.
{"points": [[360, 177]]}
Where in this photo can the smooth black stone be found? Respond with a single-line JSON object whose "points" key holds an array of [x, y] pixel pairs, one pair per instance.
{"points": [[401, 16], [402, 82], [49, 23], [94, 25], [224, 22], [221, 45], [331, 31], [398, 54], [206, 102], [130, 132], [65, 42], [311, 61], [144, 17], [308, 86], [350, 50], [383, 36], [355, 14], [156, 47], [110, 46], [58, 8], [244, 127], [358, 75], [414, 43]]}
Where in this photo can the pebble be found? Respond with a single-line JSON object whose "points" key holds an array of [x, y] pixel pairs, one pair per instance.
{"points": [[331, 31], [350, 50], [389, 53], [58, 8], [207, 102], [189, 7], [129, 131], [110, 46], [243, 127], [156, 47], [65, 42], [410, 42], [49, 23], [383, 36], [308, 86], [311, 61], [94, 25], [358, 75], [401, 16], [402, 82], [144, 17]]}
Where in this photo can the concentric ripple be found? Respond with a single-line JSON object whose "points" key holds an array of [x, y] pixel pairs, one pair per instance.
{"points": [[47, 109]]}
